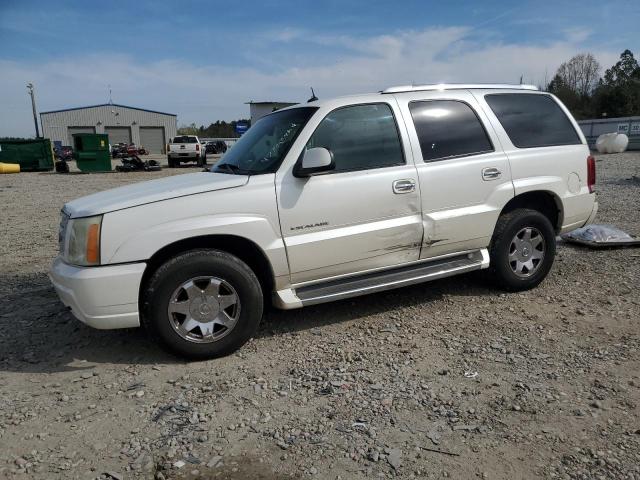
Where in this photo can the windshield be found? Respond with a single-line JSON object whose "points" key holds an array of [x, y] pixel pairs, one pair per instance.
{"points": [[264, 146], [185, 139]]}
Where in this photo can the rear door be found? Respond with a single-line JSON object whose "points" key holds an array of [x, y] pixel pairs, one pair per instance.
{"points": [[464, 175]]}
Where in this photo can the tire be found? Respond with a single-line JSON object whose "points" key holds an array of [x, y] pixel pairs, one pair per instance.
{"points": [[171, 162], [223, 275], [522, 250], [200, 161]]}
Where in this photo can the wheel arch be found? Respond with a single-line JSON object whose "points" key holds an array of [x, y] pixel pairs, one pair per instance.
{"points": [[543, 201], [246, 250]]}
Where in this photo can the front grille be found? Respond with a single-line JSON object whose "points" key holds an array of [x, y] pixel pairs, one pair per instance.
{"points": [[62, 231]]}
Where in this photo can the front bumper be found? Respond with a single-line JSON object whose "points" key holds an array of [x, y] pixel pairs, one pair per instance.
{"points": [[103, 297]]}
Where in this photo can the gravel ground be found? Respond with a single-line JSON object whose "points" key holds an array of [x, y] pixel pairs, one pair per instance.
{"points": [[448, 379]]}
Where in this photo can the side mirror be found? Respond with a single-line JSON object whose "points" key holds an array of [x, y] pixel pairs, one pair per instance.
{"points": [[314, 161]]}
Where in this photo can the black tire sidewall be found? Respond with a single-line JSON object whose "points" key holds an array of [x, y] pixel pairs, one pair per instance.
{"points": [[514, 222], [202, 263]]}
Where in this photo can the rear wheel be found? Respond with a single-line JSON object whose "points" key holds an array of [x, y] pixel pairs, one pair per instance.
{"points": [[522, 249], [202, 304]]}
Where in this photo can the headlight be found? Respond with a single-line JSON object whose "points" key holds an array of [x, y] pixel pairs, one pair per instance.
{"points": [[82, 241]]}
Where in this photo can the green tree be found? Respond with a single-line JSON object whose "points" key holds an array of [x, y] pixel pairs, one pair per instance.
{"points": [[618, 93], [574, 83]]}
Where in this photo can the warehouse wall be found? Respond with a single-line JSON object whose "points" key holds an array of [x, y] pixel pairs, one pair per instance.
{"points": [[55, 124]]}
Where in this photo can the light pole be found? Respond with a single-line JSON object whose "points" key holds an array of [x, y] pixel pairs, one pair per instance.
{"points": [[33, 106]]}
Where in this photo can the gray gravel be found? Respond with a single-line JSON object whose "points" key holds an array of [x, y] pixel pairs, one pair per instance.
{"points": [[449, 379]]}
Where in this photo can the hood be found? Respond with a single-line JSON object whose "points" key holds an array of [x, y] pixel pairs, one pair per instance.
{"points": [[152, 191]]}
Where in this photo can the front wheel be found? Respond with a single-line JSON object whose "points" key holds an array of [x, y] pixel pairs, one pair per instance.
{"points": [[202, 304], [522, 249]]}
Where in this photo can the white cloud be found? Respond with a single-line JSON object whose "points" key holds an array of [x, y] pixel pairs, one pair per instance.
{"points": [[203, 94]]}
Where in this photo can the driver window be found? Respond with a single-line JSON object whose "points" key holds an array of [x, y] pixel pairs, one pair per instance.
{"points": [[360, 137]]}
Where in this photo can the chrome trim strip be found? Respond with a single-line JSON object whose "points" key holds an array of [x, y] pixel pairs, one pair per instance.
{"points": [[442, 272], [381, 269]]}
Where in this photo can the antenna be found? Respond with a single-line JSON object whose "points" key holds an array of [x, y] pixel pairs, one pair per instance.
{"points": [[313, 96], [110, 99]]}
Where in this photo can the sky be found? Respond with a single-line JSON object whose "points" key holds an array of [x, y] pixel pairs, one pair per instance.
{"points": [[204, 60]]}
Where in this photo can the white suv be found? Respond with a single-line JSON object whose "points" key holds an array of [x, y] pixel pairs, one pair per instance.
{"points": [[329, 200]]}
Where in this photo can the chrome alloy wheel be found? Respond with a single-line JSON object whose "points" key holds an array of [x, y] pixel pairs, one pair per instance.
{"points": [[526, 252], [204, 309]]}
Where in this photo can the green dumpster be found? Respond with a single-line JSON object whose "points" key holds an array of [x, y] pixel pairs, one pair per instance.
{"points": [[32, 155], [91, 152]]}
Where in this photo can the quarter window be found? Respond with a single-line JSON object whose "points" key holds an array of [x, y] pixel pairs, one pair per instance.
{"points": [[532, 120], [448, 128], [360, 137]]}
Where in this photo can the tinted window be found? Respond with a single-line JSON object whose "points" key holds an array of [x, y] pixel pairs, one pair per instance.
{"points": [[532, 120], [185, 139], [360, 137], [448, 128]]}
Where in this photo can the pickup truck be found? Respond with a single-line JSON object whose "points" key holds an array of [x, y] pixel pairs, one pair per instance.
{"points": [[329, 200], [186, 148]]}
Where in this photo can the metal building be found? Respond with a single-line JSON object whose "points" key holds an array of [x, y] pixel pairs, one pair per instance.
{"points": [[257, 110], [630, 126], [146, 128]]}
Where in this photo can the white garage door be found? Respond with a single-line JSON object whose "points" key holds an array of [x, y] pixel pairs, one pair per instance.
{"points": [[152, 139], [118, 134], [72, 130]]}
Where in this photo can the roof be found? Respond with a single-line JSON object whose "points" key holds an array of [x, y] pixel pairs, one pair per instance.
{"points": [[456, 86], [108, 105]]}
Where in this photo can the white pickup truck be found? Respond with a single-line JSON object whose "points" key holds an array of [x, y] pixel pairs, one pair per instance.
{"points": [[186, 148], [330, 200]]}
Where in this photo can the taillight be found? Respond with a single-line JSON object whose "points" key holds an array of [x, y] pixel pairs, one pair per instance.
{"points": [[591, 173], [197, 147]]}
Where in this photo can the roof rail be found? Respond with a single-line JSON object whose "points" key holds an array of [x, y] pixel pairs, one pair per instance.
{"points": [[456, 86]]}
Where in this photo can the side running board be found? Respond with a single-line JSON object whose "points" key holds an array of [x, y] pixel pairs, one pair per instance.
{"points": [[393, 278]]}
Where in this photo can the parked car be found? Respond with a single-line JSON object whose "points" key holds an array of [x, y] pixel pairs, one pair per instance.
{"points": [[331, 200], [119, 150], [186, 148], [216, 147], [64, 152], [210, 147]]}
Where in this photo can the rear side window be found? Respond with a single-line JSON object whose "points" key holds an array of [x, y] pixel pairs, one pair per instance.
{"points": [[360, 137], [532, 120], [448, 128], [185, 139]]}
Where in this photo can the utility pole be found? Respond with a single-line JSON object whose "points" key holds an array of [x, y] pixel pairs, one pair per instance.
{"points": [[33, 106]]}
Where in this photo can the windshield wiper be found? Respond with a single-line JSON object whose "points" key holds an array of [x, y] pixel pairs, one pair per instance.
{"points": [[231, 168]]}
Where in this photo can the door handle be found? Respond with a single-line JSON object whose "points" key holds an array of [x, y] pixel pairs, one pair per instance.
{"points": [[404, 186], [491, 173]]}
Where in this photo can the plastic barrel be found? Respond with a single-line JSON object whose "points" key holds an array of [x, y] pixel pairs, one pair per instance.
{"points": [[9, 168]]}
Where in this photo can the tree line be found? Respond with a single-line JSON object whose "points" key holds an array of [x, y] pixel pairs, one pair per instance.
{"points": [[587, 94], [219, 129]]}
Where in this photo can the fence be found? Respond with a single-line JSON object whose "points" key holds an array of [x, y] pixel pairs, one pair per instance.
{"points": [[630, 126]]}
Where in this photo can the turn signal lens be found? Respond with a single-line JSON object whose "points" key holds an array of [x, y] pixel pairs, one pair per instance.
{"points": [[93, 244]]}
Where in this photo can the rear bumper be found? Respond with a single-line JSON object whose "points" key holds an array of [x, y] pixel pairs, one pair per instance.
{"points": [[185, 155], [102, 297]]}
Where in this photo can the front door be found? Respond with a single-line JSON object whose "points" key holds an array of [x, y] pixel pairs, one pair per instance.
{"points": [[364, 214]]}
